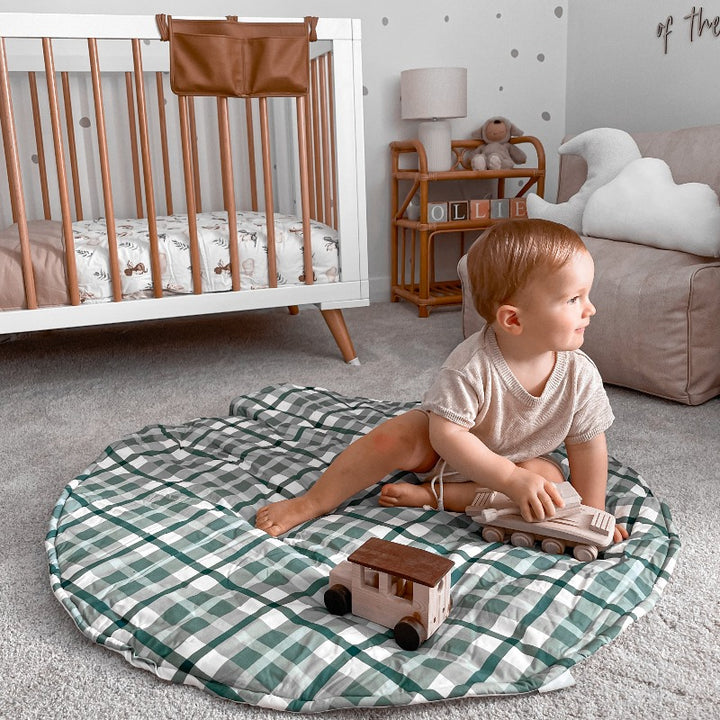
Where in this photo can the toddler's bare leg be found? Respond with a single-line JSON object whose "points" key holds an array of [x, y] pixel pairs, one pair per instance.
{"points": [[401, 443], [541, 466], [456, 496]]}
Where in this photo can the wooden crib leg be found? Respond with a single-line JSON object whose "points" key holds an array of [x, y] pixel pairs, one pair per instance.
{"points": [[336, 322], [293, 309]]}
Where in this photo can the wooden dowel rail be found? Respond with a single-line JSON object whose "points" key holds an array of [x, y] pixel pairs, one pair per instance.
{"points": [[39, 144], [269, 200], [252, 167], [105, 171], [228, 184], [325, 150], [304, 189], [15, 179], [72, 145], [134, 152], [156, 268], [189, 181], [162, 120], [70, 263]]}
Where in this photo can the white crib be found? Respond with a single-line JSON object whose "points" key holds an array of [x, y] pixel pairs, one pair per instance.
{"points": [[124, 202]]}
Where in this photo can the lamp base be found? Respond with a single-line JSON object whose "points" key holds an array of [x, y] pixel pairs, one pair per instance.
{"points": [[435, 137]]}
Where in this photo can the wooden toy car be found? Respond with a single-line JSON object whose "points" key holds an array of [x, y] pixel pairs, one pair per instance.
{"points": [[394, 585], [585, 529]]}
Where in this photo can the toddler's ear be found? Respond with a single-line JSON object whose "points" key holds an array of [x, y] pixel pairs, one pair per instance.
{"points": [[507, 319]]}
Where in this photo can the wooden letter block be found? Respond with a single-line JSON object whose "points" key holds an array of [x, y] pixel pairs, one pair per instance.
{"points": [[437, 212], [458, 210], [499, 209], [479, 209], [518, 208]]}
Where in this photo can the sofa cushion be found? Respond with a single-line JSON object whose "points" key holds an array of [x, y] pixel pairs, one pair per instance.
{"points": [[656, 327], [691, 154]]}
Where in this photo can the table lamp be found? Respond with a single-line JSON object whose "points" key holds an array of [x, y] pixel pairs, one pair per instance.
{"points": [[432, 95]]}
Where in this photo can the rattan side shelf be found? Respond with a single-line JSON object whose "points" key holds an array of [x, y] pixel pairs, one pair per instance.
{"points": [[413, 240]]}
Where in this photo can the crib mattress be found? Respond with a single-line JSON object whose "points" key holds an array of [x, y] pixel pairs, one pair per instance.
{"points": [[153, 552], [133, 240]]}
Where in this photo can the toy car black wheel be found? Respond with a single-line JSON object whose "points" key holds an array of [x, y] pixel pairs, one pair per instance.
{"points": [[338, 600], [409, 633]]}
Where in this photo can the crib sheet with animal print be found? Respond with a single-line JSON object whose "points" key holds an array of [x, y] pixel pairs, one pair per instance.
{"points": [[133, 243]]}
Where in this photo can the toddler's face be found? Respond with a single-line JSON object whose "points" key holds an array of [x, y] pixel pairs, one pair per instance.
{"points": [[555, 307]]}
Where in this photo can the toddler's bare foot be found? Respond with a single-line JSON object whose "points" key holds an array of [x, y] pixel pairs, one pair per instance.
{"points": [[402, 494], [279, 517]]}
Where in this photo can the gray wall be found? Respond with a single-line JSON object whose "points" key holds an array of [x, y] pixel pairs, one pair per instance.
{"points": [[619, 75]]}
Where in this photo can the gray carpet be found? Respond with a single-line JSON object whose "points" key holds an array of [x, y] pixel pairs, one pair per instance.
{"points": [[67, 394]]}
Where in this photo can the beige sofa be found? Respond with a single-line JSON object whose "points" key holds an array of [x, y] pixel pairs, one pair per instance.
{"points": [[657, 327]]}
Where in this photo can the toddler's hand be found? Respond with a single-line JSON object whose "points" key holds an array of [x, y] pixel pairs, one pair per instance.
{"points": [[536, 496], [620, 533]]}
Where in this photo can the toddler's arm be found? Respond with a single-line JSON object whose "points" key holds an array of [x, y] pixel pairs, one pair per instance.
{"points": [[588, 470], [536, 496]]}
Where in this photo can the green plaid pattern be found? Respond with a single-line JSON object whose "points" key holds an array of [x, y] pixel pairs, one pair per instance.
{"points": [[153, 552]]}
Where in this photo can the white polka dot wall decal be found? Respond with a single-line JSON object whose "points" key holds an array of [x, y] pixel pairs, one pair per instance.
{"points": [[447, 18], [541, 57], [545, 115], [558, 12], [498, 16], [84, 122], [34, 158], [501, 88], [514, 53], [385, 21]]}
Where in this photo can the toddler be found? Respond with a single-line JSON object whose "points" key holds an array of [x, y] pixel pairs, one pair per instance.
{"points": [[503, 401]]}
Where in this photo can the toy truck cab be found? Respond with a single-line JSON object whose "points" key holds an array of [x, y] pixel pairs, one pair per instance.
{"points": [[394, 585]]}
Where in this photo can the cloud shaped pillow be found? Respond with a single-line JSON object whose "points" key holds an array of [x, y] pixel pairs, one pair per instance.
{"points": [[644, 205], [606, 152]]}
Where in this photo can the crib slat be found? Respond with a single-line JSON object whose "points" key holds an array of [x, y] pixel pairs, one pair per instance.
{"points": [[269, 201], [164, 143], [70, 263], [252, 169], [333, 160], [39, 144], [15, 178], [105, 171], [324, 128], [195, 156], [228, 183], [190, 194], [304, 189], [134, 154], [156, 269], [317, 160], [72, 145], [309, 156]]}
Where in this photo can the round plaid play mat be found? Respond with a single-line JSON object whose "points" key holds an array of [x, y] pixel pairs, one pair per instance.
{"points": [[154, 554]]}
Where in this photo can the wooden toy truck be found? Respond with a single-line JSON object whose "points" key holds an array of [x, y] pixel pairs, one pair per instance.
{"points": [[394, 585], [584, 529]]}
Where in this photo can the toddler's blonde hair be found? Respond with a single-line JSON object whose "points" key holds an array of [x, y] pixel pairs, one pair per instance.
{"points": [[503, 259]]}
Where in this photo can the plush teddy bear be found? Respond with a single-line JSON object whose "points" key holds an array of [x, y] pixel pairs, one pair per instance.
{"points": [[498, 153]]}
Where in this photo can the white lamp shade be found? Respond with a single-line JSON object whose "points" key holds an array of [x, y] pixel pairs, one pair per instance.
{"points": [[428, 93]]}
